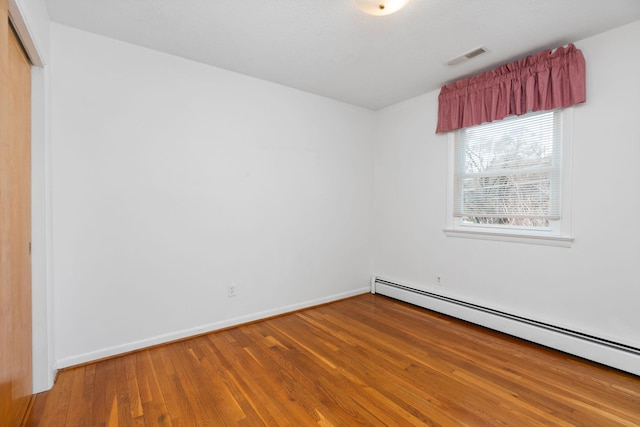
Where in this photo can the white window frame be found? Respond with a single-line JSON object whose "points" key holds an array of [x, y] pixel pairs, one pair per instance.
{"points": [[558, 233]]}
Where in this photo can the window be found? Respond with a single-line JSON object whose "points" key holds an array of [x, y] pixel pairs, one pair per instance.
{"points": [[509, 180]]}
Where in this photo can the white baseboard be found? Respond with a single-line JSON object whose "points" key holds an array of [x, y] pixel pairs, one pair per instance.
{"points": [[211, 327], [606, 355]]}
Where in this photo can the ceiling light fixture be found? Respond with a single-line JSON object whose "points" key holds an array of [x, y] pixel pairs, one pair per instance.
{"points": [[380, 7]]}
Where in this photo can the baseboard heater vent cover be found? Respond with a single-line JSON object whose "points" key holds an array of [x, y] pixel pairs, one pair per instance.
{"points": [[379, 285]]}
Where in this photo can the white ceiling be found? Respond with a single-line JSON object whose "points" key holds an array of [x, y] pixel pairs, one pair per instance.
{"points": [[330, 48]]}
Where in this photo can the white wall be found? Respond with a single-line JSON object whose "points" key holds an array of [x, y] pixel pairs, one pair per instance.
{"points": [[592, 287], [172, 179]]}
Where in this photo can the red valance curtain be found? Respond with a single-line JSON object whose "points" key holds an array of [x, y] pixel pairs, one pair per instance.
{"points": [[544, 81]]}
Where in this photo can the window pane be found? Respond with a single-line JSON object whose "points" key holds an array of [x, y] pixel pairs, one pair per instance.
{"points": [[508, 172]]}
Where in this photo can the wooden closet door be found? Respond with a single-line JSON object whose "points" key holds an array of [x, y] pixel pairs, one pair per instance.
{"points": [[15, 226]]}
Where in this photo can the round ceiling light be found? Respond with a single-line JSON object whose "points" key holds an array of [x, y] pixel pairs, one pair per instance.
{"points": [[380, 7]]}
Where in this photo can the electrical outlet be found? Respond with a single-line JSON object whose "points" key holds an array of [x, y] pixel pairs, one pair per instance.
{"points": [[231, 290], [439, 280]]}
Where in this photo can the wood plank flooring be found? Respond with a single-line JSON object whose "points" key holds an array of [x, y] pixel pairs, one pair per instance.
{"points": [[367, 360]]}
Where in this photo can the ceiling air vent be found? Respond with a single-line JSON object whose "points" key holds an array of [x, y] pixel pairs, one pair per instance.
{"points": [[466, 56]]}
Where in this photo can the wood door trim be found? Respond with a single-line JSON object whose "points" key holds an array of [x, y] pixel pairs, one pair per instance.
{"points": [[16, 347]]}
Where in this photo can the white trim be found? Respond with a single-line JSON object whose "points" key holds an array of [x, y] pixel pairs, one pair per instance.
{"points": [[566, 186], [19, 18], [559, 233], [564, 242], [596, 352], [41, 257], [211, 327]]}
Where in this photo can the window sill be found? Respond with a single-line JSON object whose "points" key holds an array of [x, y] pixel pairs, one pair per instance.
{"points": [[563, 242]]}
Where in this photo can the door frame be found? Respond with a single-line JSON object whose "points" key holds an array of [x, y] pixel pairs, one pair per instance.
{"points": [[33, 31], [17, 15]]}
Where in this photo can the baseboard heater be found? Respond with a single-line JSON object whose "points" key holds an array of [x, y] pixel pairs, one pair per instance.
{"points": [[601, 350]]}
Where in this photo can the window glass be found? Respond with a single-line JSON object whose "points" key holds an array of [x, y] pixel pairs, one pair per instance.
{"points": [[508, 173]]}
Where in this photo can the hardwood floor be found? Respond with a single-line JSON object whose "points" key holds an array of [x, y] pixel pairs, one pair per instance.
{"points": [[367, 360]]}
